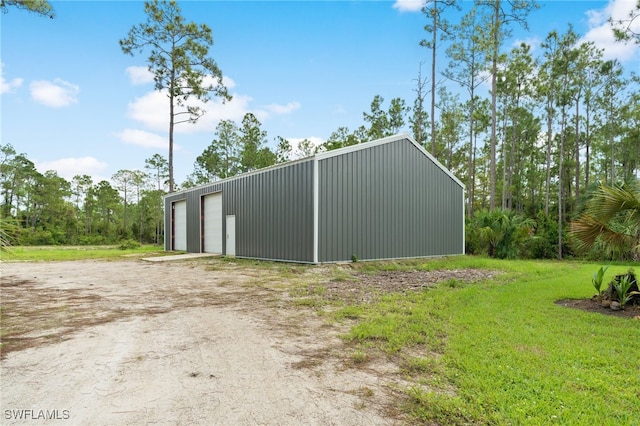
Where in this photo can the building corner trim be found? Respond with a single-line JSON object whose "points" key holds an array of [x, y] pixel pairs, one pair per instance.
{"points": [[316, 198]]}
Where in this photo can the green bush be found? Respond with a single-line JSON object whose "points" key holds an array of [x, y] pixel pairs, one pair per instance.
{"points": [[92, 240], [128, 244], [499, 233], [36, 237], [543, 243]]}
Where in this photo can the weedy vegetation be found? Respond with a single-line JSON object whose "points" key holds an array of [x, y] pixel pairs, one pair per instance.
{"points": [[125, 249], [501, 351]]}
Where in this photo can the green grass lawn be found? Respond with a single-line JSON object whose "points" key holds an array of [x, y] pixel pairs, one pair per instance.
{"points": [[502, 351], [54, 253]]}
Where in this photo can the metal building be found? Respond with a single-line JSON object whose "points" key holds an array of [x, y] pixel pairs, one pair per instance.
{"points": [[383, 199]]}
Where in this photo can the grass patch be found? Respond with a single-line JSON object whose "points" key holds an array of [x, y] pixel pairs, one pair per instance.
{"points": [[502, 351], [359, 357], [61, 253]]}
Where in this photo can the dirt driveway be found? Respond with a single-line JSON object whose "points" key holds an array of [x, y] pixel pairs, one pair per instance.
{"points": [[190, 342]]}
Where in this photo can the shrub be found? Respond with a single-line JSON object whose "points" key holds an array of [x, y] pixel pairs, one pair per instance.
{"points": [[543, 242], [128, 244], [499, 233], [626, 287]]}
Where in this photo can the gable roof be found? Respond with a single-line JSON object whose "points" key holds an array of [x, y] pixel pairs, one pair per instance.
{"points": [[333, 153], [389, 139]]}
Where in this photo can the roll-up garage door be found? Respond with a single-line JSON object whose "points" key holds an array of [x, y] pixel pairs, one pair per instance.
{"points": [[212, 223], [180, 225]]}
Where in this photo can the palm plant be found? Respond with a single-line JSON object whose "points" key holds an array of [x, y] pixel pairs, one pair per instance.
{"points": [[612, 217], [598, 278], [8, 231], [500, 231], [622, 288]]}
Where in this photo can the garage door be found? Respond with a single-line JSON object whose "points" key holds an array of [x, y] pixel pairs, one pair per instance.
{"points": [[212, 221], [180, 225]]}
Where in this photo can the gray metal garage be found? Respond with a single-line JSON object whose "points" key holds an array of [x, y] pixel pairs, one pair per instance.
{"points": [[384, 199]]}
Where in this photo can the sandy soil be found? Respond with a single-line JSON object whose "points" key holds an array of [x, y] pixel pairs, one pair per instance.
{"points": [[190, 342]]}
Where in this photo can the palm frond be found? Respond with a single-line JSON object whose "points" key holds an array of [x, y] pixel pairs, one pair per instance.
{"points": [[609, 201], [612, 218], [586, 230]]}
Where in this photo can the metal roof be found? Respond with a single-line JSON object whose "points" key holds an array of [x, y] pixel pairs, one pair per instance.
{"points": [[328, 154]]}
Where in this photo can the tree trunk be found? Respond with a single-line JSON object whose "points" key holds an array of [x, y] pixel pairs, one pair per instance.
{"points": [[505, 159], [514, 135], [492, 146], [587, 146], [434, 13], [577, 180], [470, 180], [171, 124], [613, 164], [549, 140], [561, 182], [494, 71]]}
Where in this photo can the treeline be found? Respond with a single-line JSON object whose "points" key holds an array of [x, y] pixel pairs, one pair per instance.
{"points": [[46, 209]]}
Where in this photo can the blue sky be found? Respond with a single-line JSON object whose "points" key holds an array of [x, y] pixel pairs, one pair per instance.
{"points": [[74, 103]]}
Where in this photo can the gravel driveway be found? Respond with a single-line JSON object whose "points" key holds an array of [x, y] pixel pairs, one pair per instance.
{"points": [[189, 342]]}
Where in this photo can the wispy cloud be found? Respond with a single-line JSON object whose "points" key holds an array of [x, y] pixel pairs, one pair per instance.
{"points": [[70, 167], [533, 42], [339, 110], [56, 94], [8, 86], [139, 75], [152, 110], [228, 82], [282, 109], [144, 139], [299, 152], [601, 34], [409, 5]]}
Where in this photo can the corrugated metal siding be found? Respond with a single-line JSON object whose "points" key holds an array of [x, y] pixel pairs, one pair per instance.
{"points": [[273, 209], [274, 213], [389, 201]]}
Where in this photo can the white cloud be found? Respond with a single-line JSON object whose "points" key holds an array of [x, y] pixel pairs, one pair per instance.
{"points": [[409, 5], [533, 42], [139, 75], [56, 94], [282, 109], [152, 110], [69, 167], [297, 152], [228, 82], [8, 86], [235, 109], [339, 110], [144, 139], [601, 34]]}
